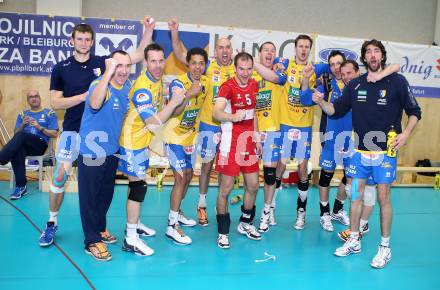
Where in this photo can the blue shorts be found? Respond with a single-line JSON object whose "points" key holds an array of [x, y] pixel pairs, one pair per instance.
{"points": [[271, 142], [379, 166], [181, 157], [68, 146], [207, 141], [134, 162], [296, 142], [329, 159]]}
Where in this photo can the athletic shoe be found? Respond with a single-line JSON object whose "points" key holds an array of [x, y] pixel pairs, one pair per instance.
{"points": [[352, 245], [137, 246], [272, 221], [202, 217], [249, 230], [108, 238], [264, 222], [19, 191], [344, 235], [184, 221], [382, 257], [341, 217], [47, 237], [143, 230], [300, 220], [326, 222], [98, 251], [175, 233], [223, 241]]}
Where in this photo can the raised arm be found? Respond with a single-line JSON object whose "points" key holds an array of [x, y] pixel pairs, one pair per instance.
{"points": [[138, 55], [176, 43]]}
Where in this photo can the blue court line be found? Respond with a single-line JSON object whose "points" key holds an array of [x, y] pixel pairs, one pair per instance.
{"points": [[54, 243]]}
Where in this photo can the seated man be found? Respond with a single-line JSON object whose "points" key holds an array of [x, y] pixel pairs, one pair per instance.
{"points": [[32, 131]]}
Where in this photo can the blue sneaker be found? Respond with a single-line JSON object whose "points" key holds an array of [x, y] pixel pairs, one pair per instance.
{"points": [[48, 235], [18, 192]]}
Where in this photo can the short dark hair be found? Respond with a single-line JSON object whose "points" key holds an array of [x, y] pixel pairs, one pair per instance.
{"points": [[334, 53], [84, 28], [378, 44], [196, 51], [123, 52], [264, 43], [352, 62], [152, 47], [303, 36], [243, 56]]}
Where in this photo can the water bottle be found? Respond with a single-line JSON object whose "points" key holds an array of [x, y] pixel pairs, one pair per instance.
{"points": [[391, 137]]}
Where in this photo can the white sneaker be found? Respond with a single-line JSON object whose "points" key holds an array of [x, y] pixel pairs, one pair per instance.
{"points": [[137, 246], [382, 257], [223, 241], [264, 222], [175, 233], [300, 220], [341, 217], [326, 222], [272, 221], [184, 221], [352, 245], [143, 230], [249, 230]]}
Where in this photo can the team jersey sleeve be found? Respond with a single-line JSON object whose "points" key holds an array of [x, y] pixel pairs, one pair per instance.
{"points": [[321, 68], [407, 98], [343, 104], [225, 92], [305, 97], [175, 84], [143, 102], [53, 120], [283, 61], [90, 91], [56, 81], [282, 77], [19, 120]]}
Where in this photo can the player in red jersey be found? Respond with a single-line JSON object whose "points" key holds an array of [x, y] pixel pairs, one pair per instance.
{"points": [[240, 147]]}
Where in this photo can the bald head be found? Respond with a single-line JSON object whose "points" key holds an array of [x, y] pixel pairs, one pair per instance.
{"points": [[223, 51], [33, 99]]}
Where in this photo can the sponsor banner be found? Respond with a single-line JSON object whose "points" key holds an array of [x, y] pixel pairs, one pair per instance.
{"points": [[420, 64], [32, 44]]}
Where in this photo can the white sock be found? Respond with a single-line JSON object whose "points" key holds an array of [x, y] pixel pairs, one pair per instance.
{"points": [[173, 217], [202, 200], [53, 217], [354, 235], [302, 195], [324, 203], [274, 198], [385, 242], [131, 230], [363, 223], [341, 201], [266, 207]]}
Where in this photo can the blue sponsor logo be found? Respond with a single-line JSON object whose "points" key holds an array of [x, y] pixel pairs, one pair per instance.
{"points": [[349, 54]]}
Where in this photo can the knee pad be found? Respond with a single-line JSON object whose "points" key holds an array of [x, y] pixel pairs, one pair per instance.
{"points": [[370, 195], [223, 223], [303, 185], [344, 179], [59, 176], [325, 178], [269, 175], [138, 190]]}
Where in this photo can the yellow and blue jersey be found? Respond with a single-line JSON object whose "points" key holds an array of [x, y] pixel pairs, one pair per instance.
{"points": [[217, 74], [181, 130], [292, 112], [268, 102], [146, 99]]}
